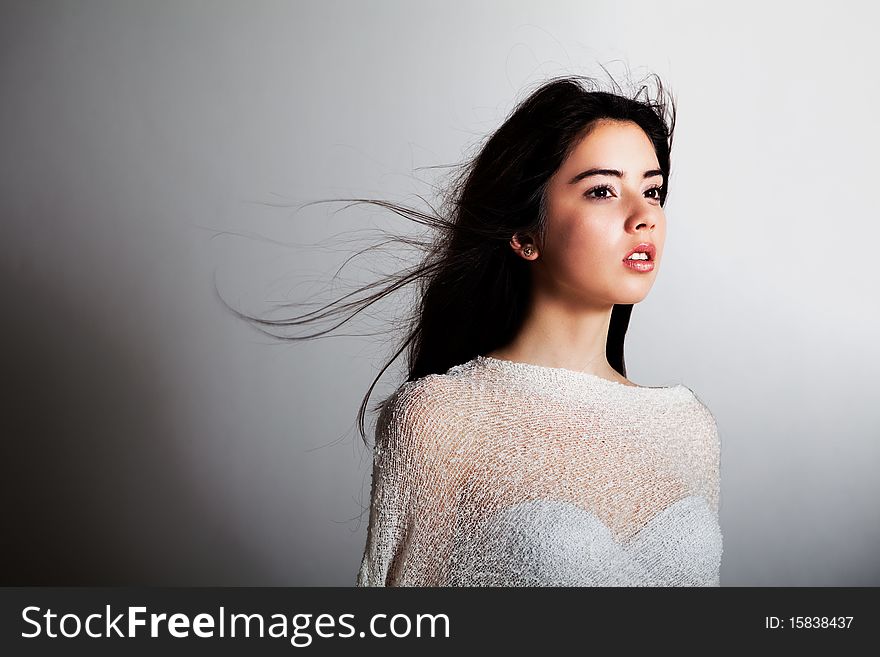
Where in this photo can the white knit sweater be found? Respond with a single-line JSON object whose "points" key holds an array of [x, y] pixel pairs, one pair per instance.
{"points": [[510, 474]]}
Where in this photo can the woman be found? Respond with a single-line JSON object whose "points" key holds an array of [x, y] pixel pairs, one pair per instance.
{"points": [[518, 453]]}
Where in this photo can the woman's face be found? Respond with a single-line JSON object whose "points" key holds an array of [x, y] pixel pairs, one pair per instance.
{"points": [[594, 221]]}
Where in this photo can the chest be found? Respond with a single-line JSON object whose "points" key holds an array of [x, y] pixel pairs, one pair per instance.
{"points": [[544, 542]]}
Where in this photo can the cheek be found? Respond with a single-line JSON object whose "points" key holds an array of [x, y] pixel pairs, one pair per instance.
{"points": [[660, 236], [579, 244]]}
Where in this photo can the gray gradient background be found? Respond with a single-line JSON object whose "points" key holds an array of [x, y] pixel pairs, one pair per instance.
{"points": [[151, 437]]}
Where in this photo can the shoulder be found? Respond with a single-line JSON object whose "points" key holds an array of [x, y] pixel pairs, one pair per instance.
{"points": [[422, 414], [701, 418], [421, 400]]}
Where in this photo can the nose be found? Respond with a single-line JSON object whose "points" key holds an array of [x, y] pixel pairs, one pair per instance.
{"points": [[642, 213], [641, 218]]}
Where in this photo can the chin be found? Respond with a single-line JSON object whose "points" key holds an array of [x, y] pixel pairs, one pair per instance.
{"points": [[631, 301], [633, 298]]}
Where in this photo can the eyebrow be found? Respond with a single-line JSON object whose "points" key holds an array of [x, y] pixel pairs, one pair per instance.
{"points": [[610, 172]]}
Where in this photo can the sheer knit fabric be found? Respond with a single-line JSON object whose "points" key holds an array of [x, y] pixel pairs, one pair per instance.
{"points": [[500, 473]]}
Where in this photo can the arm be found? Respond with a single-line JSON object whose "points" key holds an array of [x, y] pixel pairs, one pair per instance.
{"points": [[413, 493], [714, 488], [704, 453]]}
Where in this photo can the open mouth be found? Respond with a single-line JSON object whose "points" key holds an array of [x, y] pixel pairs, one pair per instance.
{"points": [[641, 258], [640, 265], [643, 251]]}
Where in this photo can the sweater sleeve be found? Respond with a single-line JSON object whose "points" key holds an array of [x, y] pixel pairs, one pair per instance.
{"points": [[711, 461], [412, 495], [703, 453], [715, 471]]}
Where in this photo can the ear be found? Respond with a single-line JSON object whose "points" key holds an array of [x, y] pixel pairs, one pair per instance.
{"points": [[524, 246]]}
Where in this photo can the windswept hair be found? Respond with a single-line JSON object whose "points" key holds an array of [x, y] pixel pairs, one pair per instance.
{"points": [[473, 291]]}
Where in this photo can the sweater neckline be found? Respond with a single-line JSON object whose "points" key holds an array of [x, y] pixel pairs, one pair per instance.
{"points": [[559, 374]]}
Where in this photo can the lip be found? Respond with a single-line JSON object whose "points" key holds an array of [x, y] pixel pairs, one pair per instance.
{"points": [[644, 247], [641, 265]]}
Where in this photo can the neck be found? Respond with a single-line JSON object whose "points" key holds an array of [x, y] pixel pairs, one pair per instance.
{"points": [[557, 334]]}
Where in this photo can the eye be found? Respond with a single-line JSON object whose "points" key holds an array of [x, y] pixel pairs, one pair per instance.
{"points": [[657, 189], [607, 189], [599, 188]]}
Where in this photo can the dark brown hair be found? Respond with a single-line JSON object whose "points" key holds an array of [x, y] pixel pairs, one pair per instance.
{"points": [[473, 289]]}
